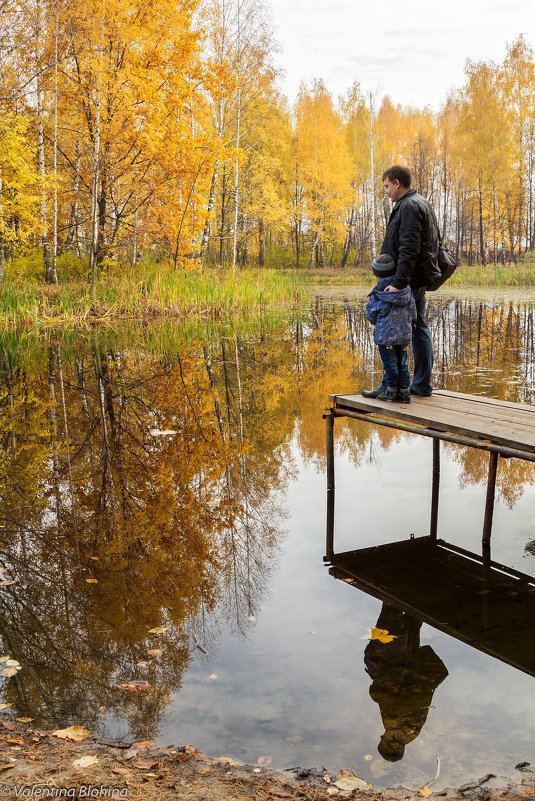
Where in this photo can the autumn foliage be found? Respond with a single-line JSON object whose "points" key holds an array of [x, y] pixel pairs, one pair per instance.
{"points": [[157, 131]]}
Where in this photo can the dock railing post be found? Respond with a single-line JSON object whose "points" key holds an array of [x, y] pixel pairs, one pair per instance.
{"points": [[329, 432], [491, 491], [435, 489]]}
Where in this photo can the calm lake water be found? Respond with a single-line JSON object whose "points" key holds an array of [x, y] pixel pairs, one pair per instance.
{"points": [[162, 517]]}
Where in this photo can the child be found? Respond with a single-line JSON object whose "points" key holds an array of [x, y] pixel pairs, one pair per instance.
{"points": [[393, 314]]}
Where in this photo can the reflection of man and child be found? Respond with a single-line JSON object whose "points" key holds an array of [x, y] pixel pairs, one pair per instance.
{"points": [[404, 677], [407, 266]]}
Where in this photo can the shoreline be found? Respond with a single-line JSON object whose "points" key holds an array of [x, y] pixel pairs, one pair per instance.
{"points": [[70, 763]]}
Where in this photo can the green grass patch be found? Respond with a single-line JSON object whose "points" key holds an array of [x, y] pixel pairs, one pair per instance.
{"points": [[149, 291]]}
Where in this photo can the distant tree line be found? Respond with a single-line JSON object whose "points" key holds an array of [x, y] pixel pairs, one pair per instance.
{"points": [[158, 131]]}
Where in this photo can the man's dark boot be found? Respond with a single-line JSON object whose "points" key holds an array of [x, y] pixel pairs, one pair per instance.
{"points": [[388, 394], [372, 393], [404, 395]]}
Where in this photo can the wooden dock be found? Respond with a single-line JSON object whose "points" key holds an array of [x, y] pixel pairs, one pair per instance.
{"points": [[502, 428]]}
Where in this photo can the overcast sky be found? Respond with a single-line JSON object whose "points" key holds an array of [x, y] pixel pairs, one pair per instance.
{"points": [[412, 50]]}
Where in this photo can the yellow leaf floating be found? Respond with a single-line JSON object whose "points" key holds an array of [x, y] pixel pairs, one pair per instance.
{"points": [[381, 635], [92, 581]]}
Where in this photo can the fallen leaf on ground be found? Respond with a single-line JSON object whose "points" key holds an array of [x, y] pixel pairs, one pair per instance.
{"points": [[16, 740], [5, 706], [264, 760], [425, 791], [280, 793], [143, 744], [85, 761], [227, 760], [6, 583], [157, 630], [12, 663], [155, 651], [9, 724], [8, 672], [92, 581], [350, 783], [142, 664], [4, 658], [6, 767], [24, 720], [75, 732], [145, 764], [381, 635]]}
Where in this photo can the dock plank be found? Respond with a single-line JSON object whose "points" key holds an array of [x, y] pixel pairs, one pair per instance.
{"points": [[502, 423]]}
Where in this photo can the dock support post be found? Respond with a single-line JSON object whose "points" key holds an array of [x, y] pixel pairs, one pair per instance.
{"points": [[491, 491], [435, 489], [329, 431]]}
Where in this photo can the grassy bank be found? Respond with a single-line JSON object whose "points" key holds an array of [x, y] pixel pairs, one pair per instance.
{"points": [[148, 292], [515, 275]]}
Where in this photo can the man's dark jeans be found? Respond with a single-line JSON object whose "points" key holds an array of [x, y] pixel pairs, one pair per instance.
{"points": [[396, 371], [422, 348]]}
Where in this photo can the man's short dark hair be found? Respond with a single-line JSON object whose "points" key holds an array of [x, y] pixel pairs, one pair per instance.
{"points": [[398, 173]]}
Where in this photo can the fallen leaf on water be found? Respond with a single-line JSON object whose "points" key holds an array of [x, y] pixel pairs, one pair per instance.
{"points": [[213, 676], [350, 783], [265, 760], [8, 672], [368, 757], [92, 581], [5, 706], [143, 744], [24, 720], [155, 651], [145, 764], [12, 663], [251, 618], [425, 791], [294, 739], [75, 732], [85, 761], [135, 686], [381, 635], [157, 630], [94, 558]]}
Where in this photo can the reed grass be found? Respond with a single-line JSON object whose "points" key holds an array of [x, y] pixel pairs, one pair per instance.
{"points": [[148, 292]]}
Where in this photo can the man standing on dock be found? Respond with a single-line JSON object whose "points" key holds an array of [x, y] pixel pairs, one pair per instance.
{"points": [[412, 240]]}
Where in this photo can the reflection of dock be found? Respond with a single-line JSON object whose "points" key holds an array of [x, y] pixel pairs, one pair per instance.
{"points": [[487, 605], [499, 427]]}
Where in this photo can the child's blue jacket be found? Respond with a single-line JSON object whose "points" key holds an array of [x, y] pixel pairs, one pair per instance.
{"points": [[392, 313]]}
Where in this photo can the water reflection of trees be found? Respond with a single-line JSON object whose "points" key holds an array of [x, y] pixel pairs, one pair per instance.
{"points": [[111, 527], [181, 530]]}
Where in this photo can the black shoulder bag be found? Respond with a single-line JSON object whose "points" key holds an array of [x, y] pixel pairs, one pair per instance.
{"points": [[447, 264]]}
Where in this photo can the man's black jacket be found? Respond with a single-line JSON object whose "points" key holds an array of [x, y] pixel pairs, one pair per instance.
{"points": [[412, 241]]}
